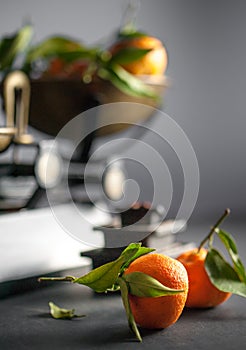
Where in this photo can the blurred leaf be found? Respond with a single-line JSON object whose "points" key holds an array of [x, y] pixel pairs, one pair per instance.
{"points": [[130, 34], [126, 82], [11, 47], [222, 275], [143, 285], [231, 247], [55, 47], [80, 54], [57, 312], [129, 54]]}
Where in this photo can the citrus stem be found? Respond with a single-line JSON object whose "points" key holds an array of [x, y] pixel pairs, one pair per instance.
{"points": [[57, 279], [124, 295], [211, 232]]}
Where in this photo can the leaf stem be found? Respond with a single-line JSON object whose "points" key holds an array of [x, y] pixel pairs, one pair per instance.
{"points": [[57, 279], [213, 228], [124, 295]]}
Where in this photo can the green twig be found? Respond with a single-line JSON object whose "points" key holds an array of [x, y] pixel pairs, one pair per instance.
{"points": [[57, 279], [209, 236]]}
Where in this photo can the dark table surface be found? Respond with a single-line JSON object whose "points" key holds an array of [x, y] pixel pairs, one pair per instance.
{"points": [[25, 322]]}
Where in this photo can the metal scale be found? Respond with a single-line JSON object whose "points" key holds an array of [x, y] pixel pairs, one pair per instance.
{"points": [[16, 94], [44, 171]]}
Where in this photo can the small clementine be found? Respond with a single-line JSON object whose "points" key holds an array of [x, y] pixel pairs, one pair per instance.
{"points": [[59, 68], [55, 68], [153, 63], [202, 293], [159, 312]]}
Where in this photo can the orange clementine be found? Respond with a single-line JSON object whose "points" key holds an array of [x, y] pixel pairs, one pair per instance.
{"points": [[154, 62], [76, 69], [202, 293], [55, 68], [59, 68], [159, 312]]}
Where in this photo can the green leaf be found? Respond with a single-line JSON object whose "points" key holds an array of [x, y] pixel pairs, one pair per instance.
{"points": [[125, 299], [128, 55], [71, 56], [130, 251], [130, 34], [103, 277], [222, 275], [57, 312], [59, 47], [231, 247], [143, 285], [11, 47], [135, 250], [131, 256], [126, 82]]}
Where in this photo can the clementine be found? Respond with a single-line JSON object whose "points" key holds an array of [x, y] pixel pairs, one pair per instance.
{"points": [[159, 312], [154, 62], [202, 293], [58, 68]]}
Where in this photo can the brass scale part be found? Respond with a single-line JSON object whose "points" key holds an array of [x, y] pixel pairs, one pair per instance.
{"points": [[17, 112]]}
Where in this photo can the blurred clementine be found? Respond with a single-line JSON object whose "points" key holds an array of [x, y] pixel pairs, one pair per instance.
{"points": [[159, 312], [59, 68], [56, 68], [154, 62], [202, 293]]}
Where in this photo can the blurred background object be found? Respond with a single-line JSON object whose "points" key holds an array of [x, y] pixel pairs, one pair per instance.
{"points": [[46, 85], [207, 55]]}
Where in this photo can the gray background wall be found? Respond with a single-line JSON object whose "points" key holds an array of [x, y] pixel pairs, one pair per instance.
{"points": [[207, 66]]}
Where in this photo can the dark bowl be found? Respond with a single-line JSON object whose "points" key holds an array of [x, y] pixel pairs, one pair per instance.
{"points": [[54, 102]]}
